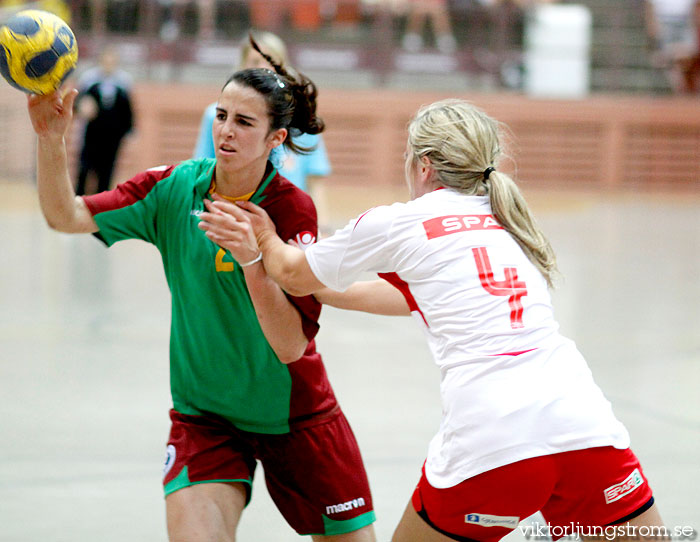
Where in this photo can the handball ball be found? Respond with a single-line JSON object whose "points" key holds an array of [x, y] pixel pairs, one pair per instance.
{"points": [[37, 51]]}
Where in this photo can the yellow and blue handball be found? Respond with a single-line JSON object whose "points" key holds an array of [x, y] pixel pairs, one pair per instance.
{"points": [[37, 51]]}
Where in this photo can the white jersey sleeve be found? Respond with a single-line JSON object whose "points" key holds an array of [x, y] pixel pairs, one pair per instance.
{"points": [[361, 246]]}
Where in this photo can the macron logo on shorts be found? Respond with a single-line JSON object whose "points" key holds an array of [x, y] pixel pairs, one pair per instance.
{"points": [[627, 486], [486, 520], [345, 506]]}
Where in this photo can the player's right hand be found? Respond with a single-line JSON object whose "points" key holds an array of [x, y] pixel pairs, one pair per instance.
{"points": [[51, 115]]}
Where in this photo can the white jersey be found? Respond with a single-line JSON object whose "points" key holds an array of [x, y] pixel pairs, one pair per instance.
{"points": [[512, 387]]}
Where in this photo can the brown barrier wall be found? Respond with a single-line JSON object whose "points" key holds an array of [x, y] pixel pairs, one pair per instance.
{"points": [[601, 142], [607, 141]]}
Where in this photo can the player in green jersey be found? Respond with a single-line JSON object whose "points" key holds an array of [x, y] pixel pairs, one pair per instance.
{"points": [[247, 383]]}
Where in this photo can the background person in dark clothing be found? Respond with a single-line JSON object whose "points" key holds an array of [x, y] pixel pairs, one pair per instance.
{"points": [[105, 106]]}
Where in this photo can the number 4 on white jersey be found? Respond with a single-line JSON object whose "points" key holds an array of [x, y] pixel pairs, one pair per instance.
{"points": [[512, 287]]}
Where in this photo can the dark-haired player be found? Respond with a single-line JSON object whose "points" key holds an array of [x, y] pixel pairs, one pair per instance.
{"points": [[247, 383]]}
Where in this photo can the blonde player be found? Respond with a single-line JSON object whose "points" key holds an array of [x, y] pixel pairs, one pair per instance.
{"points": [[525, 428]]}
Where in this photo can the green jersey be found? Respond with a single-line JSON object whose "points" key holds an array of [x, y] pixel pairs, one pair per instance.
{"points": [[220, 361]]}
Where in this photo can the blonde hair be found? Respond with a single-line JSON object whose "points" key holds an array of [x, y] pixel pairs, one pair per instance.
{"points": [[271, 44], [462, 142]]}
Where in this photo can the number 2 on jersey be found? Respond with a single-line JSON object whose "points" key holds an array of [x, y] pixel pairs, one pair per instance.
{"points": [[512, 287]]}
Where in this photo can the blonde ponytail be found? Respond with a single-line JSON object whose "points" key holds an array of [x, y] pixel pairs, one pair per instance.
{"points": [[512, 212], [462, 144]]}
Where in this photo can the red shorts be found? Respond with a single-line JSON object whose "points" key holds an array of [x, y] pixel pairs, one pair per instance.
{"points": [[314, 473], [584, 488]]}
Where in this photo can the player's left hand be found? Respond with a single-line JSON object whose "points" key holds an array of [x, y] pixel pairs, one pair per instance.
{"points": [[229, 227]]}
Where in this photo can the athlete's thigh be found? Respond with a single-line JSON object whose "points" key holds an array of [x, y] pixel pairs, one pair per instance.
{"points": [[207, 512], [365, 534], [207, 478], [647, 526], [651, 517], [413, 528]]}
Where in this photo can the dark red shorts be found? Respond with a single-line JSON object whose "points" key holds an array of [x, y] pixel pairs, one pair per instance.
{"points": [[592, 487], [314, 474]]}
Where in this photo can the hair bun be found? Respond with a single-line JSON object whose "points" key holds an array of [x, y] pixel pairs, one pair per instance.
{"points": [[305, 118]]}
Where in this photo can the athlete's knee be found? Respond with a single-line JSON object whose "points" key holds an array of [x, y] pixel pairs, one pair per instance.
{"points": [[194, 530]]}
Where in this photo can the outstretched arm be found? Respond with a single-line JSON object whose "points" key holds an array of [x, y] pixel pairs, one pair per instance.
{"points": [[254, 231], [51, 116], [374, 296], [287, 264]]}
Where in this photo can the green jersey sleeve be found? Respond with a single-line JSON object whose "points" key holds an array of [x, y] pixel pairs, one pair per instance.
{"points": [[138, 220]]}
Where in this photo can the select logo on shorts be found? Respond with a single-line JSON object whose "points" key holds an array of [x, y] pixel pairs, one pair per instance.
{"points": [[627, 486], [169, 459], [345, 506], [486, 520]]}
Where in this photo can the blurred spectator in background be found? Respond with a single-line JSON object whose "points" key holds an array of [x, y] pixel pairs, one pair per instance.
{"points": [[270, 14], [104, 104], [672, 26], [508, 19], [345, 16], [419, 13], [691, 69], [304, 170], [57, 7]]}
